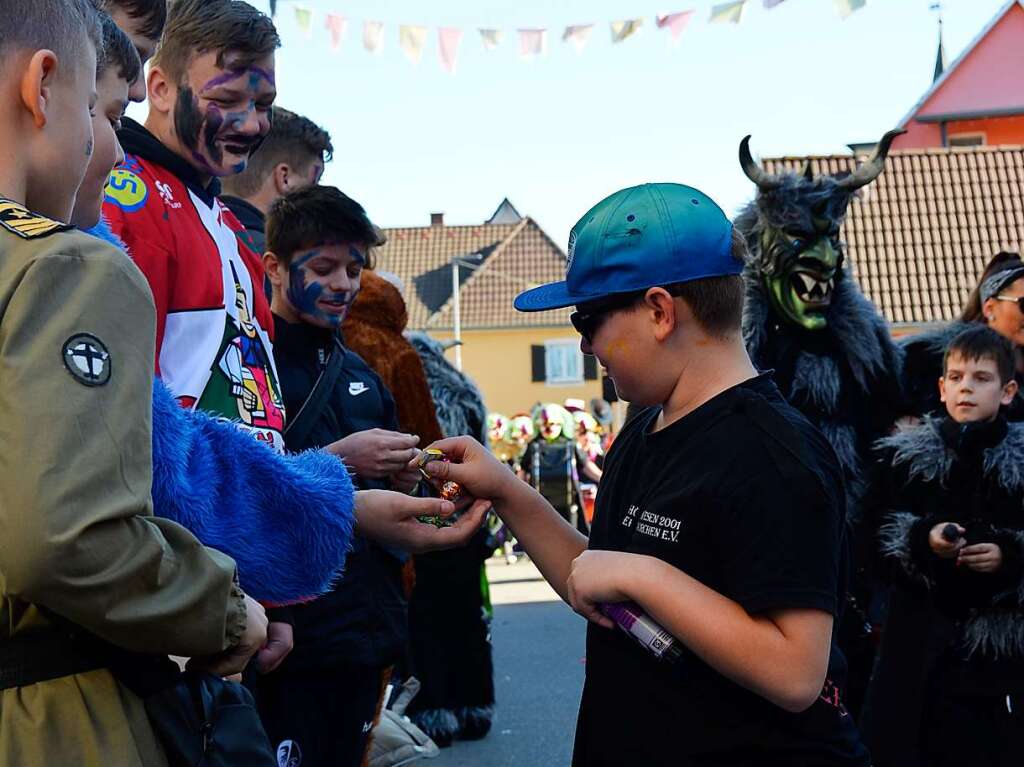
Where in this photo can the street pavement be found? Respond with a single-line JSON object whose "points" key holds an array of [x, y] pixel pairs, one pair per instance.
{"points": [[538, 674]]}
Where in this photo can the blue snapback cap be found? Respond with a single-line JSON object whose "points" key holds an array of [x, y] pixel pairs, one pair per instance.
{"points": [[639, 238]]}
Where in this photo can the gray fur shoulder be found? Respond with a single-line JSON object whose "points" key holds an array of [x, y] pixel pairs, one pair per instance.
{"points": [[1006, 460], [922, 449], [459, 404]]}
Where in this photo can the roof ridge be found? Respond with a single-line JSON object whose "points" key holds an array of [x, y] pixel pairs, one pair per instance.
{"points": [[482, 268], [443, 226], [987, 148]]}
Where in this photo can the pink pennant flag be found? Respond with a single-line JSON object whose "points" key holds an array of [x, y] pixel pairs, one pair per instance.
{"points": [[532, 43], [676, 23], [448, 39], [336, 25]]}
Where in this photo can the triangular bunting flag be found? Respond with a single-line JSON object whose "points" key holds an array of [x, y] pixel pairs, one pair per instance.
{"points": [[411, 40], [373, 36], [728, 13], [304, 18], [848, 7], [448, 39], [625, 28], [532, 43], [676, 23], [336, 26], [491, 38], [273, 8], [769, 4], [578, 35]]}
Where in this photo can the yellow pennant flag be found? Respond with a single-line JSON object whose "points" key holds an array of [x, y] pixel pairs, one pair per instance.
{"points": [[491, 38], [304, 18], [727, 13], [625, 28], [373, 36], [411, 40]]}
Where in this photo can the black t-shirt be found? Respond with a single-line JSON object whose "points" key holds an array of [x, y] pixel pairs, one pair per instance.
{"points": [[746, 496]]}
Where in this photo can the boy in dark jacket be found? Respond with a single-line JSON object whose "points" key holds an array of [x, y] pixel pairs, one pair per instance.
{"points": [[947, 685], [325, 695]]}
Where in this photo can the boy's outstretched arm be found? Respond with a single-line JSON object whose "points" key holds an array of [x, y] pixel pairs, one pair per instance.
{"points": [[551, 542], [781, 655]]}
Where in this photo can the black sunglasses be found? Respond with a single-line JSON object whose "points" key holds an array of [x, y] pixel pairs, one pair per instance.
{"points": [[588, 317]]}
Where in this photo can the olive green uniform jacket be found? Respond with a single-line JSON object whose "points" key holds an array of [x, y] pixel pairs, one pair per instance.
{"points": [[77, 533]]}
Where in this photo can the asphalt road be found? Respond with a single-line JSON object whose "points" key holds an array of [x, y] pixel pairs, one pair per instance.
{"points": [[538, 668]]}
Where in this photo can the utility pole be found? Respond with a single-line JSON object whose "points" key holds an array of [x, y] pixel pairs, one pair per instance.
{"points": [[456, 315]]}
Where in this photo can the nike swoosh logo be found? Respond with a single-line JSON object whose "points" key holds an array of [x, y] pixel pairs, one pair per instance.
{"points": [[355, 389]]}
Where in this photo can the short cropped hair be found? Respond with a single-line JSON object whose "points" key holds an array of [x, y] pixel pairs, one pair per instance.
{"points": [[293, 139], [316, 216], [716, 302], [195, 27], [151, 13], [54, 25], [118, 51], [981, 342]]}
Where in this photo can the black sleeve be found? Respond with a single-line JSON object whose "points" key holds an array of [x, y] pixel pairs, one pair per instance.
{"points": [[783, 545], [281, 615]]}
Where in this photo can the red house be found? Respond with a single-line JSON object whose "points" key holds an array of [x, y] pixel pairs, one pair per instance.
{"points": [[979, 98]]}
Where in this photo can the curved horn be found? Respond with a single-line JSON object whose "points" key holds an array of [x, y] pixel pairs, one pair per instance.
{"points": [[872, 168], [755, 172]]}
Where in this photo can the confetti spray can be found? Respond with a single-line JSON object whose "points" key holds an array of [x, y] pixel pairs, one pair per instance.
{"points": [[644, 630]]}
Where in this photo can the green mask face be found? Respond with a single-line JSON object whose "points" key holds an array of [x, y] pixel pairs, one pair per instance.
{"points": [[800, 288]]}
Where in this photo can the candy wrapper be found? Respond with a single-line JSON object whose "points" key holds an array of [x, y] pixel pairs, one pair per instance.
{"points": [[450, 491]]}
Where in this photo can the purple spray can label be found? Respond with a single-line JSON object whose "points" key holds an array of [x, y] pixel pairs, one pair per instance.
{"points": [[644, 630]]}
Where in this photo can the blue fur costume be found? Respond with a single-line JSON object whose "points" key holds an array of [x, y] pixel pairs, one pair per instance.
{"points": [[286, 520]]}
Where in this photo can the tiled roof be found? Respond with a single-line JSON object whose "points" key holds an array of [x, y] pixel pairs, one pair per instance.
{"points": [[920, 234], [512, 258]]}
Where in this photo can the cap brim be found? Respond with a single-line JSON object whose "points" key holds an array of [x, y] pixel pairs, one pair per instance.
{"points": [[554, 295]]}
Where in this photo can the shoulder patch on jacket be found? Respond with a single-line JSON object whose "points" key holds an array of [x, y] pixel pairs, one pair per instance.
{"points": [[126, 190], [19, 220]]}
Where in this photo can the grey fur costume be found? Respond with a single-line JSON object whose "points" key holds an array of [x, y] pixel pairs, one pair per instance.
{"points": [[925, 456]]}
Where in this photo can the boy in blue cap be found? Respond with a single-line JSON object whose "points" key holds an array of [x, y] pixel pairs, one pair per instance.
{"points": [[720, 514]]}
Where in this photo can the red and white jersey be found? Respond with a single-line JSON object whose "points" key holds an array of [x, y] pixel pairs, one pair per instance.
{"points": [[214, 347]]}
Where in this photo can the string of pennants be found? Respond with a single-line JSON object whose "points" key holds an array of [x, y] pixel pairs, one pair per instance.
{"points": [[533, 41]]}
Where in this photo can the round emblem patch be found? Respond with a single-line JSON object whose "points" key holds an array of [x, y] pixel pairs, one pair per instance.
{"points": [[87, 359], [126, 190]]}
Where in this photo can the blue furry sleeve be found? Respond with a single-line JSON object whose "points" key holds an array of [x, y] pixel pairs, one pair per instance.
{"points": [[286, 520]]}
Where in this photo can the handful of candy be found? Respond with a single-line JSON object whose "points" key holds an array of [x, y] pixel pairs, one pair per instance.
{"points": [[450, 491]]}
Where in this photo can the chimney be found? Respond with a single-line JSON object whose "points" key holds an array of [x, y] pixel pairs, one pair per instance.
{"points": [[437, 219]]}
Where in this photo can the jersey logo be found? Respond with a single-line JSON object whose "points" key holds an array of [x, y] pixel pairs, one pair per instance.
{"points": [[17, 219], [126, 190], [357, 387], [87, 359]]}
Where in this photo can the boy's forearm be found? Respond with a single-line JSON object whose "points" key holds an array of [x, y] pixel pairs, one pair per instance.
{"points": [[753, 651], [549, 540]]}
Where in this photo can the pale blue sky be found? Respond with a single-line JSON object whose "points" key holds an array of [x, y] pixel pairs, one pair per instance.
{"points": [[557, 134]]}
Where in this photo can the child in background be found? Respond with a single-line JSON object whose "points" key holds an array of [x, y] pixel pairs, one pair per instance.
{"points": [[950, 494]]}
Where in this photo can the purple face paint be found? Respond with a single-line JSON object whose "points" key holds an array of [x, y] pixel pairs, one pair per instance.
{"points": [[306, 298], [228, 76]]}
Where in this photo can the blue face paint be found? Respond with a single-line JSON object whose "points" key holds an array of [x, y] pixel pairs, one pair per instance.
{"points": [[305, 297]]}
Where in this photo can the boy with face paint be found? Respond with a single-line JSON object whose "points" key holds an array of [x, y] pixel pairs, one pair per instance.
{"points": [[211, 88], [318, 243]]}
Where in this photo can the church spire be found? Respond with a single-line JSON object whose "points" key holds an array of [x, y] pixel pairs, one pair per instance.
{"points": [[940, 56]]}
